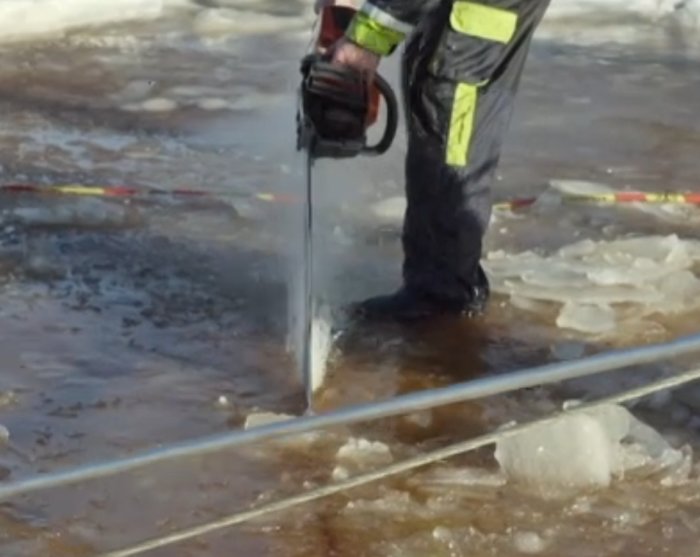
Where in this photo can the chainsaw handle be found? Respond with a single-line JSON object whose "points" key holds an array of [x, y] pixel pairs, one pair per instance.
{"points": [[392, 118]]}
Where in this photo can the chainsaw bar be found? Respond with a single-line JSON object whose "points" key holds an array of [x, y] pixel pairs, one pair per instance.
{"points": [[307, 317], [334, 112]]}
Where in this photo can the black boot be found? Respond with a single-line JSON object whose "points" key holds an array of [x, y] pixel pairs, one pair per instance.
{"points": [[410, 304]]}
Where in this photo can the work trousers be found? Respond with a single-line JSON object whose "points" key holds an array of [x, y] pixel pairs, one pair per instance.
{"points": [[461, 71]]}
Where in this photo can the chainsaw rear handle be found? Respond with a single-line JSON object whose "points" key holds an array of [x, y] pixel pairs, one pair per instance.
{"points": [[392, 118], [337, 109]]}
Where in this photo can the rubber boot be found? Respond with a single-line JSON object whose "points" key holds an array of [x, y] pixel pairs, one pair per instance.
{"points": [[411, 304]]}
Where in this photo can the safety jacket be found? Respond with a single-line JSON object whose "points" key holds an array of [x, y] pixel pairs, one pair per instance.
{"points": [[381, 25]]}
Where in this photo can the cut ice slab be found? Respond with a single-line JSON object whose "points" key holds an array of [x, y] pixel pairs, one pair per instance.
{"points": [[321, 337], [321, 342], [584, 450]]}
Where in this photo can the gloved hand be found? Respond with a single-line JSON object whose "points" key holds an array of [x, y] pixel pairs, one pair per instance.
{"points": [[347, 53]]}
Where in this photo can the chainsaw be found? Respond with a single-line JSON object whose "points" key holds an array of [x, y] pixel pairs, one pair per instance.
{"points": [[337, 106]]}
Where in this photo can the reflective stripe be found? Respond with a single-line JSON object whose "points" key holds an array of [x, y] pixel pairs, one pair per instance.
{"points": [[462, 124], [485, 22], [373, 35], [386, 19]]}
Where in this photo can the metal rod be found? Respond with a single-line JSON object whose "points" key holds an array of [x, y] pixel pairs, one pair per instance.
{"points": [[398, 468], [479, 388]]}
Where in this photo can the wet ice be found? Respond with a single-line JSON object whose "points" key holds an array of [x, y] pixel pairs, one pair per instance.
{"points": [[584, 450]]}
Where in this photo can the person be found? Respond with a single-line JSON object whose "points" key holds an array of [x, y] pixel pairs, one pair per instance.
{"points": [[461, 68]]}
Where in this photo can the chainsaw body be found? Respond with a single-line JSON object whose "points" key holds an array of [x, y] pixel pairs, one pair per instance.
{"points": [[338, 103]]}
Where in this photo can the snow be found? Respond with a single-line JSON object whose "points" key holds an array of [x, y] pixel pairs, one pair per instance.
{"points": [[29, 19], [83, 213], [585, 450], [24, 20]]}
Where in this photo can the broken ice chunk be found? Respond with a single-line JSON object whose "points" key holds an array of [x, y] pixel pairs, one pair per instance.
{"points": [[364, 452], [530, 543], [359, 455], [584, 450], [267, 418], [571, 454], [603, 284], [587, 318]]}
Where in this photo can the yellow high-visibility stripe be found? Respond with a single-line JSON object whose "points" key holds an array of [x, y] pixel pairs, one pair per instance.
{"points": [[386, 19], [485, 22], [80, 190], [373, 35], [462, 124]]}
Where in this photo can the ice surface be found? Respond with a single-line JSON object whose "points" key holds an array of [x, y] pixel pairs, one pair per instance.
{"points": [[584, 450], [4, 435], [390, 210], [603, 286], [213, 104], [80, 213], [216, 22], [156, 104]]}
